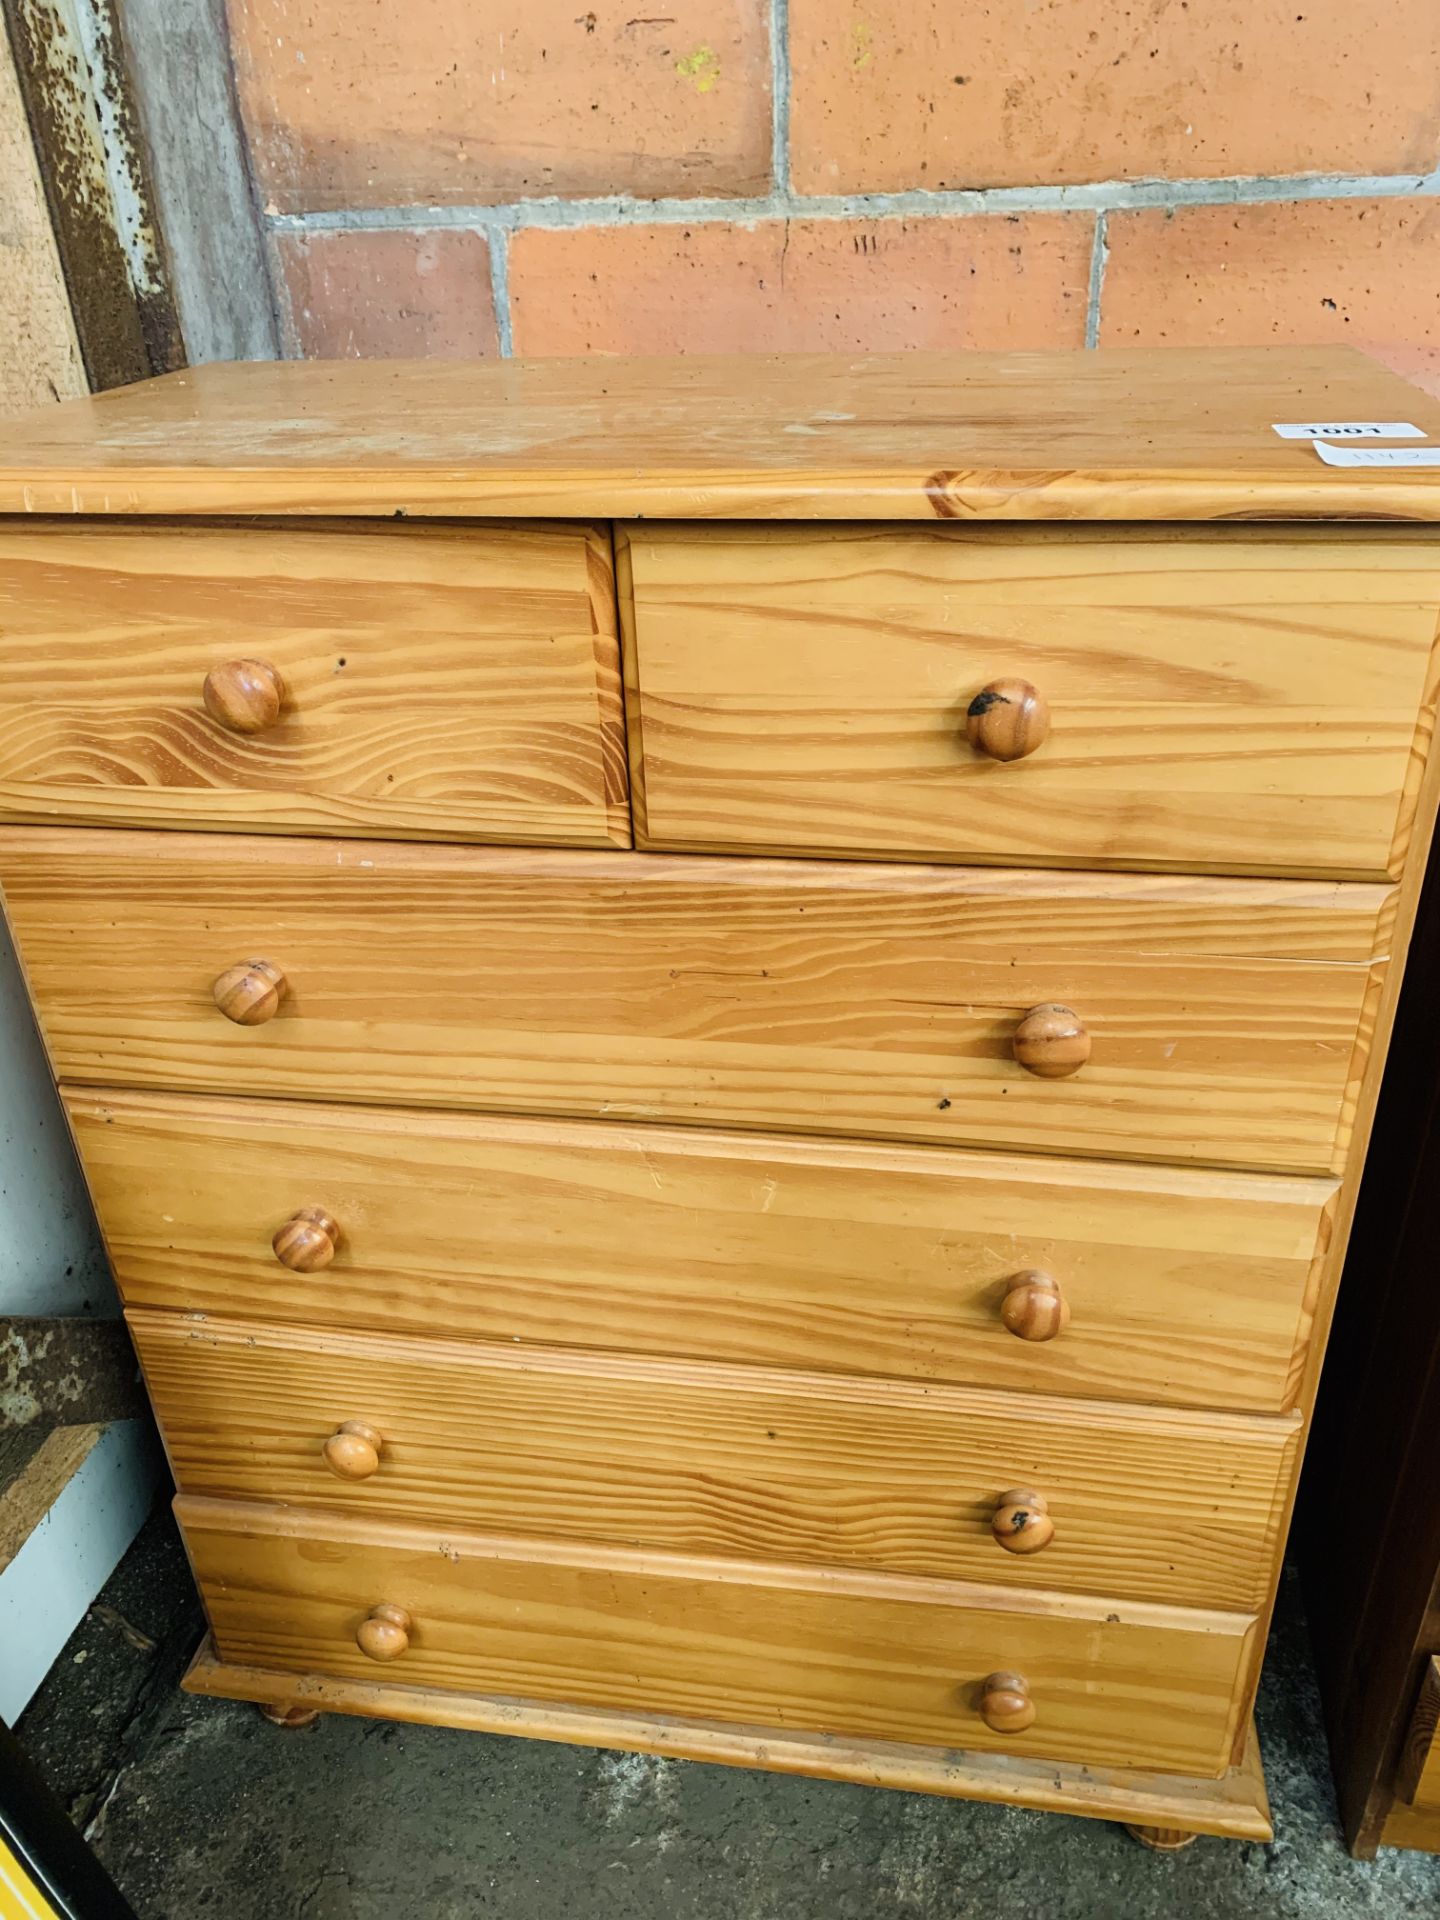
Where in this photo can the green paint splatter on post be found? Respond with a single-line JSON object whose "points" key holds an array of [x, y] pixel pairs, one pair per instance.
{"points": [[701, 68], [860, 45]]}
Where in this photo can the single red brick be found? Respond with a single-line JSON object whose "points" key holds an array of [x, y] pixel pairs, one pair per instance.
{"points": [[387, 294], [1304, 270], [968, 93], [431, 103], [997, 280]]}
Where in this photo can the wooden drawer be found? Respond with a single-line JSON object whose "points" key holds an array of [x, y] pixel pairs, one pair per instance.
{"points": [[1113, 1682], [1221, 700], [752, 1462], [451, 683], [1185, 1287], [798, 995]]}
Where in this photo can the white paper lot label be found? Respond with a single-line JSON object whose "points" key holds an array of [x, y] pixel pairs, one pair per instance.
{"points": [[1378, 456], [1349, 430]]}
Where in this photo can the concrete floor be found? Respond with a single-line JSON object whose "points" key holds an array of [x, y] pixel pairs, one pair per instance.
{"points": [[200, 1809]]}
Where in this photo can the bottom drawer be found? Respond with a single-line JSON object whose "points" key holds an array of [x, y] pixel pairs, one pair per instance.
{"points": [[1113, 1683]]}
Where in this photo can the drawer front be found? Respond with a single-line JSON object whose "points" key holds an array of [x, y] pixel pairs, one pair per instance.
{"points": [[1181, 1286], [1113, 1683], [1218, 700], [1222, 1016], [435, 683], [721, 1460]]}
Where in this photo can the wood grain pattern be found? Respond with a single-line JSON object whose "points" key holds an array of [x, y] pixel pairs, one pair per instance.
{"points": [[1051, 1042], [439, 683], [1367, 1075], [1161, 1839], [354, 1451], [801, 996], [1121, 435], [1417, 1778], [245, 696], [1007, 720], [250, 992], [1006, 1703], [1022, 1522], [1184, 1287], [384, 1633], [745, 1462], [1234, 1805], [306, 1242], [1417, 1828], [1034, 1307], [1242, 700], [48, 1469], [1115, 1682]]}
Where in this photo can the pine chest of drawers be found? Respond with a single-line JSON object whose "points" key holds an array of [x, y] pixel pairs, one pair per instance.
{"points": [[723, 1018]]}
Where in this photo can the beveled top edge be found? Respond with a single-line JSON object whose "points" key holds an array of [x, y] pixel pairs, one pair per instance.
{"points": [[1156, 434]]}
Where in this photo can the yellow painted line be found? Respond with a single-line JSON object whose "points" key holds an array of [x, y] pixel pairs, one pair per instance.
{"points": [[20, 1898]]}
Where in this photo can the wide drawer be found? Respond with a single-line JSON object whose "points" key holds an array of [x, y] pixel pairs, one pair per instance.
{"points": [[1181, 1286], [1220, 700], [453, 683], [1221, 1016], [751, 1462], [1113, 1682]]}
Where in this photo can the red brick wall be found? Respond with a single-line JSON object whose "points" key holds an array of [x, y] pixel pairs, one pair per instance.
{"points": [[452, 177]]}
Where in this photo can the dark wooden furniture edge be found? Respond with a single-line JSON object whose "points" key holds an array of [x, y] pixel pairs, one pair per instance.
{"points": [[1368, 1523]]}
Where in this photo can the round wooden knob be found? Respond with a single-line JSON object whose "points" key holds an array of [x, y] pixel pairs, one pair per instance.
{"points": [[250, 992], [244, 695], [1022, 1522], [1005, 1703], [353, 1451], [1051, 1041], [1034, 1307], [385, 1633], [1007, 720], [306, 1242]]}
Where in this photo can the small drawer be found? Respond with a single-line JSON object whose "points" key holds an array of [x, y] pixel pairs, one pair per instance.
{"points": [[760, 1464], [1109, 1683], [1130, 1016], [1120, 1282], [417, 682], [1235, 700]]}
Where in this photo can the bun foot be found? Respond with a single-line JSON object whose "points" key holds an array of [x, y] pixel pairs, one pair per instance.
{"points": [[1162, 1839], [292, 1718]]}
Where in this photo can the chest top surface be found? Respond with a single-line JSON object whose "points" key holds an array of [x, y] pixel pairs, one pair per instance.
{"points": [[1152, 435]]}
